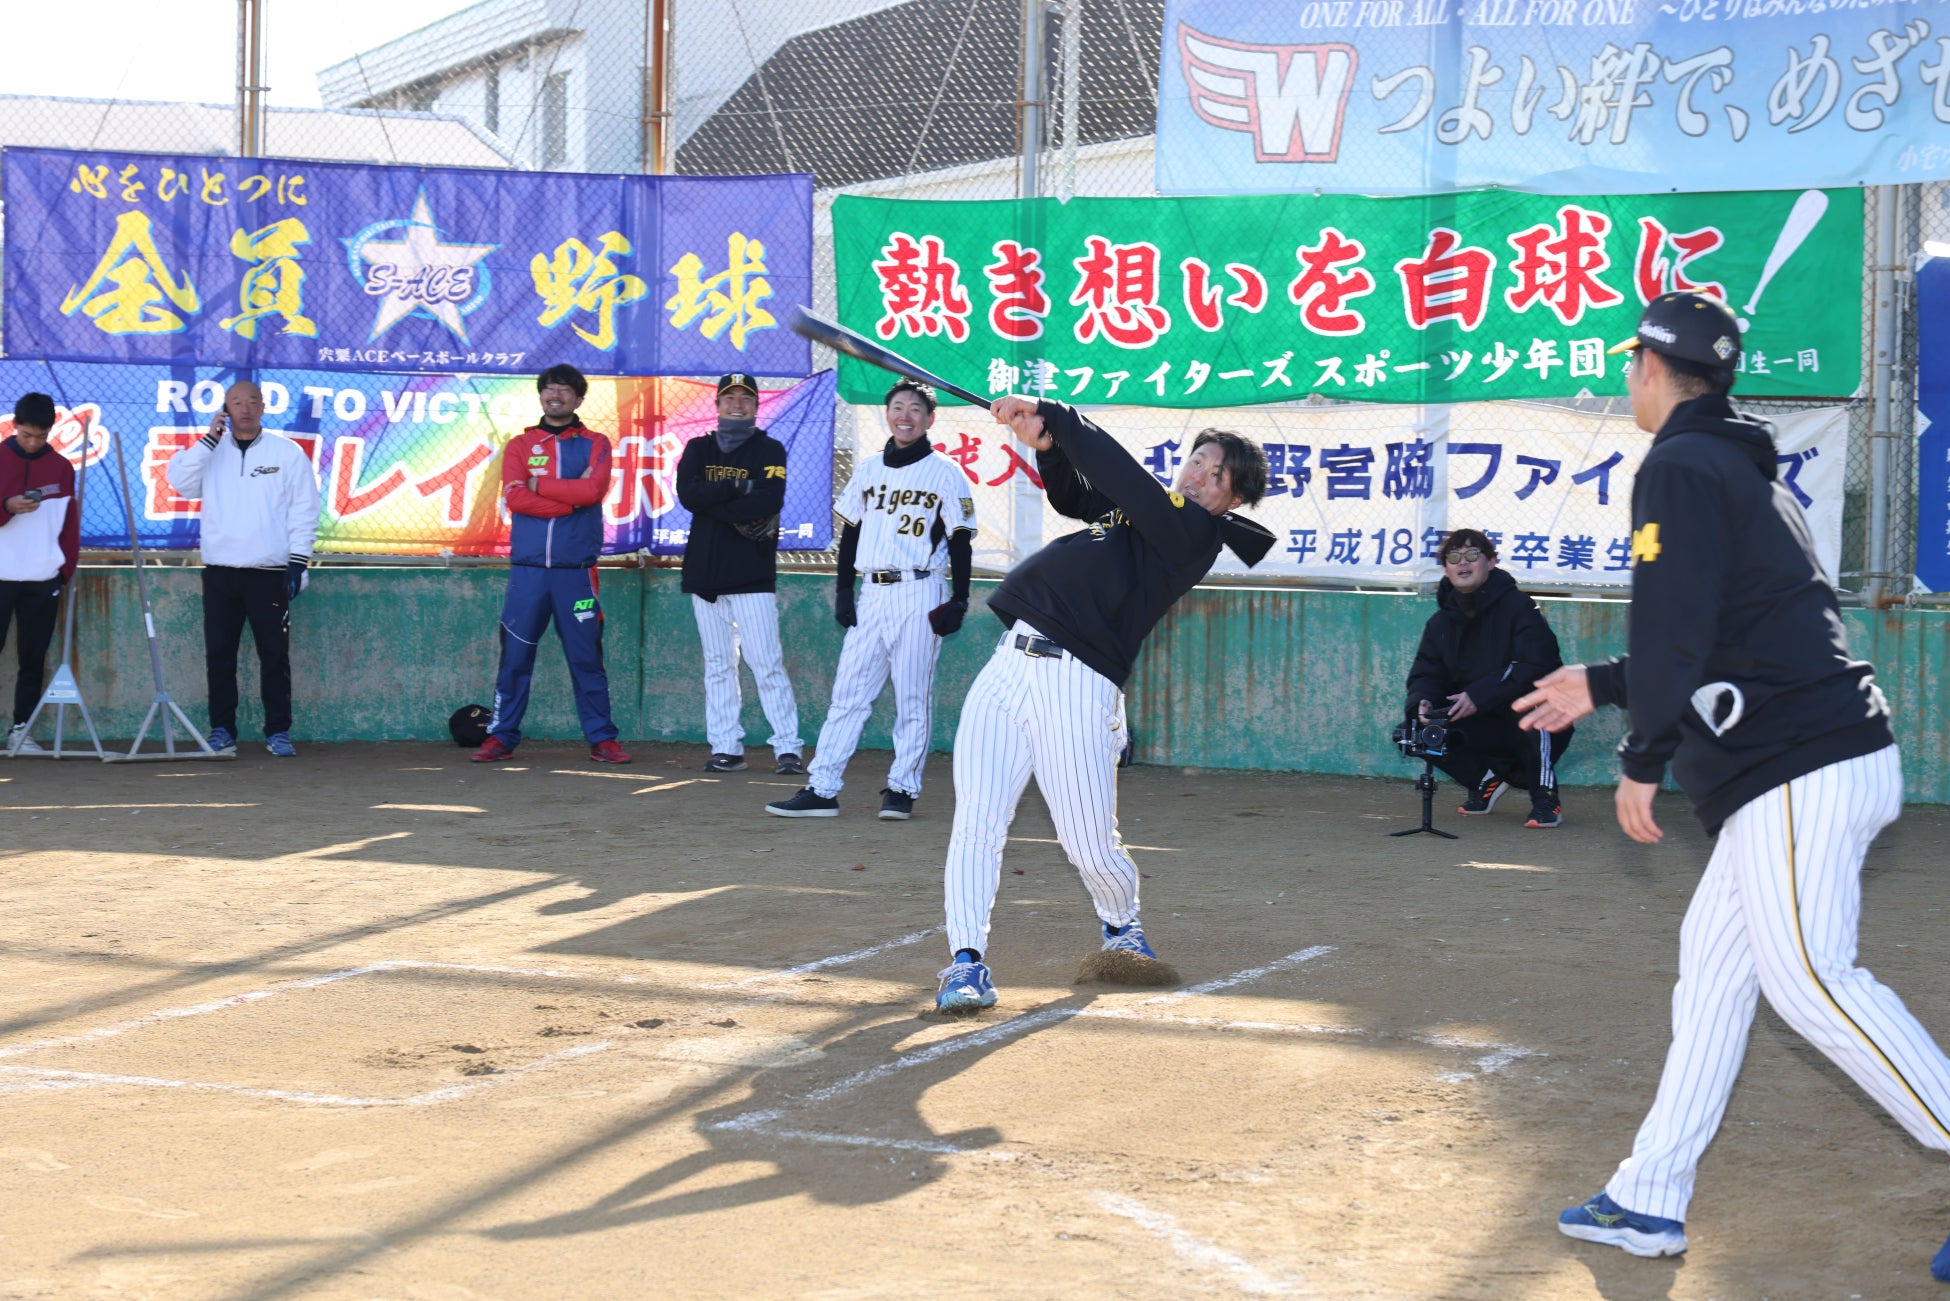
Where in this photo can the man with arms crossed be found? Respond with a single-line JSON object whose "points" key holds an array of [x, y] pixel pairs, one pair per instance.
{"points": [[907, 521], [1050, 700], [1740, 675], [554, 476], [732, 481]]}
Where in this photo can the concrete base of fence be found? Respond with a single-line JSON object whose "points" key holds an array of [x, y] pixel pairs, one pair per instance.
{"points": [[1251, 678]]}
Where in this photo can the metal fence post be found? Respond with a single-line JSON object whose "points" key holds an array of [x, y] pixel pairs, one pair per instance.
{"points": [[1882, 427]]}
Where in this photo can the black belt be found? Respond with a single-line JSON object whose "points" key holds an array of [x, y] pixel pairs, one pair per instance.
{"points": [[884, 576], [1041, 648]]}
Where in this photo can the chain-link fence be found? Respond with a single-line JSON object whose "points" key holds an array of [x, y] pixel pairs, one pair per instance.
{"points": [[929, 99]]}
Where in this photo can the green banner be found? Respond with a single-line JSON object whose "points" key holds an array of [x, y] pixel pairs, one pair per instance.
{"points": [[1215, 302]]}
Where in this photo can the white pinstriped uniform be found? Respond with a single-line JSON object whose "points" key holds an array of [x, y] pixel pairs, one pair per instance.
{"points": [[746, 623], [906, 515], [1064, 722], [1777, 913]]}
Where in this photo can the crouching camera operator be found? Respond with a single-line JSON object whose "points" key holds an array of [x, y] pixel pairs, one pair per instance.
{"points": [[1484, 646]]}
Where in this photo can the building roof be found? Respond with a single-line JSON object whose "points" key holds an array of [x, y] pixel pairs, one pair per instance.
{"points": [[434, 51], [923, 86], [332, 135]]}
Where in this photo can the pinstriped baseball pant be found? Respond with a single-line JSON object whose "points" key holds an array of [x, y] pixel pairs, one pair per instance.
{"points": [[1062, 721], [892, 635], [1777, 913], [749, 623]]}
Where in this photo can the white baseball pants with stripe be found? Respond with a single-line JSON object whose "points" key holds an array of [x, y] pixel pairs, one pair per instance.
{"points": [[1062, 721], [892, 636], [749, 623], [1777, 913]]}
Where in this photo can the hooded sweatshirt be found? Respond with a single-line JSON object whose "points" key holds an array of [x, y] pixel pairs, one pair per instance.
{"points": [[1099, 592], [45, 543], [1729, 602], [1492, 642]]}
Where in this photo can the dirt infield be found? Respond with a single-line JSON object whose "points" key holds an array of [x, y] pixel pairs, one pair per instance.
{"points": [[378, 1023]]}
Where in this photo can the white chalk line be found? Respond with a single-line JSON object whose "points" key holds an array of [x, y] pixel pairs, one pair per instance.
{"points": [[1242, 977], [1245, 1275], [44, 1077], [838, 960], [1496, 1055], [890, 1144]]}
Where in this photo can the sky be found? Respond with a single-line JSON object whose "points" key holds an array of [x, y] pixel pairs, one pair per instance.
{"points": [[187, 49]]}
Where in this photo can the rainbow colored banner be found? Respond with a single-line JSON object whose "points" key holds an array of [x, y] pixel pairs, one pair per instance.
{"points": [[408, 465]]}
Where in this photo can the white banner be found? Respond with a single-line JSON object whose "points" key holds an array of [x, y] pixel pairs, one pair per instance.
{"points": [[1366, 493]]}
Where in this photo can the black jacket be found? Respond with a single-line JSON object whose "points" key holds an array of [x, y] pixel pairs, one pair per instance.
{"points": [[1492, 642], [1098, 592], [1726, 590], [734, 499]]}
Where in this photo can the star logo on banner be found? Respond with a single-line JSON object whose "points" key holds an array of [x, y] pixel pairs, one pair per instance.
{"points": [[412, 271]]}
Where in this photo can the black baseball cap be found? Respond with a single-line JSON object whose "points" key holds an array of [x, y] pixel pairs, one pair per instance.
{"points": [[737, 379], [1691, 326]]}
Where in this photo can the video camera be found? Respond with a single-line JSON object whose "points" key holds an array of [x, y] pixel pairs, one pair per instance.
{"points": [[1417, 738]]}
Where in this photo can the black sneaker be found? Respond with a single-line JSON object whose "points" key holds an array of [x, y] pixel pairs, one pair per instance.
{"points": [[725, 763], [1484, 797], [1544, 809], [896, 806], [808, 803], [790, 766]]}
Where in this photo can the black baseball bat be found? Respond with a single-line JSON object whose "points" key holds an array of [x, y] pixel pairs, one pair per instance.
{"points": [[811, 325]]}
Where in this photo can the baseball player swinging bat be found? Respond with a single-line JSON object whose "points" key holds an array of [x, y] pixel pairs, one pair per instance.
{"points": [[811, 325]]}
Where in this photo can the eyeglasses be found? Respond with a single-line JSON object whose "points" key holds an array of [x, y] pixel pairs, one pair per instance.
{"points": [[1468, 557]]}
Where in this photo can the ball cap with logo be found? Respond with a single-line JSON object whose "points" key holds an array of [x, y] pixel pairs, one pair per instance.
{"points": [[737, 379], [1690, 326]]}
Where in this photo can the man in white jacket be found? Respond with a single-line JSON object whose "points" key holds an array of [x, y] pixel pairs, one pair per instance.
{"points": [[260, 517]]}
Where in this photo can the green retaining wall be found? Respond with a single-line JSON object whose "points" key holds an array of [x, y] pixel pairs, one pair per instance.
{"points": [[1270, 678]]}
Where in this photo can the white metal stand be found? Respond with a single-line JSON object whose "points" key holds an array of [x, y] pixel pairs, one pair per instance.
{"points": [[163, 706]]}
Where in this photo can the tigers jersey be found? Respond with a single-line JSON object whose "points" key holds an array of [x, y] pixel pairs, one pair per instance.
{"points": [[906, 514]]}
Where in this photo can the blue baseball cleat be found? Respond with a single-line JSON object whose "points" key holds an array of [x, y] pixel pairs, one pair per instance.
{"points": [[1129, 940], [965, 986], [1604, 1221], [1940, 1264], [279, 744]]}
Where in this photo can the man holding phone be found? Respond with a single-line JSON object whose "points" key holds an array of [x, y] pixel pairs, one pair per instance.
{"points": [[260, 518], [40, 540]]}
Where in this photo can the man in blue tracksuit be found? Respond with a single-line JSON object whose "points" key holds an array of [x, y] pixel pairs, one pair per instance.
{"points": [[554, 477]]}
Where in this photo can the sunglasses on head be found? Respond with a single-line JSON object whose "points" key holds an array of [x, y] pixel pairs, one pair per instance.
{"points": [[1469, 556]]}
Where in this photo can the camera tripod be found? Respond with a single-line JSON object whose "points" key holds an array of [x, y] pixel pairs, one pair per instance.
{"points": [[1426, 784]]}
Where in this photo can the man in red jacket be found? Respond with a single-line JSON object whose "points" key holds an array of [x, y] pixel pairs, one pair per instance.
{"points": [[554, 477], [40, 539]]}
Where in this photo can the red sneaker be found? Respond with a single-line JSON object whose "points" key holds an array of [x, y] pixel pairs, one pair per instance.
{"points": [[605, 752], [492, 751]]}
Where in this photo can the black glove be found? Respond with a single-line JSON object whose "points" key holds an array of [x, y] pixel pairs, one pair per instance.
{"points": [[946, 618], [297, 575], [843, 607]]}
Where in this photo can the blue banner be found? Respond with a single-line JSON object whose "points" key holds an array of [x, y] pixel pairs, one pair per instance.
{"points": [[1551, 96], [275, 262], [410, 465], [1933, 440]]}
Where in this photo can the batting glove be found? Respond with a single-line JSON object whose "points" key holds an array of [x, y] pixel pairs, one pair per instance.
{"points": [[843, 608], [297, 576], [946, 618]]}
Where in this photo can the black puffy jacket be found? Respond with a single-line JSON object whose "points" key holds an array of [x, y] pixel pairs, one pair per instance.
{"points": [[1492, 643]]}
